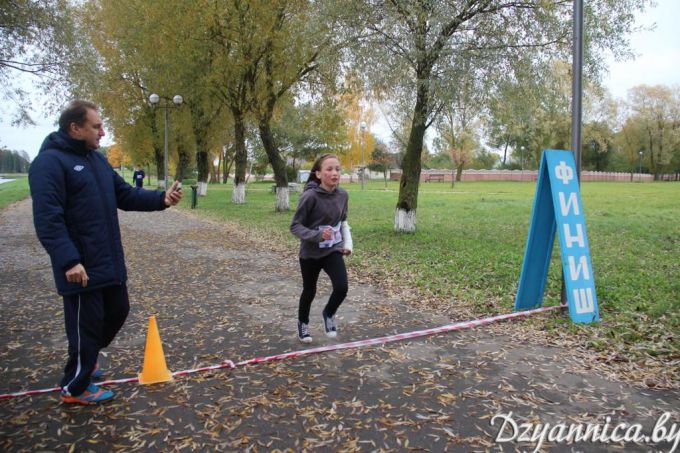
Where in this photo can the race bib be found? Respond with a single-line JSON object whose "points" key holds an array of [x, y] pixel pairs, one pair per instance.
{"points": [[336, 238]]}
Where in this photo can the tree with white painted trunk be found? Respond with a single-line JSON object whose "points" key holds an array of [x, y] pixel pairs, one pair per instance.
{"points": [[240, 50], [296, 38], [413, 50], [238, 195]]}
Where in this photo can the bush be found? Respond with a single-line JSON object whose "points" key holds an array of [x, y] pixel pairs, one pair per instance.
{"points": [[291, 173]]}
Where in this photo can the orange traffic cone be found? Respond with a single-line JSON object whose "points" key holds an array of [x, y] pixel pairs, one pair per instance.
{"points": [[155, 370]]}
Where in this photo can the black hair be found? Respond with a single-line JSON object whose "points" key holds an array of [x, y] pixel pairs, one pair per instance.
{"points": [[317, 167], [75, 112]]}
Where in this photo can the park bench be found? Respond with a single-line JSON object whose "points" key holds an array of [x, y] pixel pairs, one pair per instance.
{"points": [[434, 177]]}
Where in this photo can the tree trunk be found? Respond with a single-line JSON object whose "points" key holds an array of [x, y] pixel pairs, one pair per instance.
{"points": [[351, 171], [277, 163], [203, 167], [157, 151], [459, 172], [240, 158], [226, 167], [215, 171], [182, 162], [159, 161], [405, 217], [200, 123], [157, 154], [282, 199], [238, 196]]}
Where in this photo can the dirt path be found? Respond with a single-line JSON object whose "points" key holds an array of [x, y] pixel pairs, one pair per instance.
{"points": [[220, 294]]}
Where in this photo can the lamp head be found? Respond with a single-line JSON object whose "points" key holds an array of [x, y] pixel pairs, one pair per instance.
{"points": [[177, 99], [154, 98]]}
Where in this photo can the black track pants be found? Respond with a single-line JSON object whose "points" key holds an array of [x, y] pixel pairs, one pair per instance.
{"points": [[92, 321]]}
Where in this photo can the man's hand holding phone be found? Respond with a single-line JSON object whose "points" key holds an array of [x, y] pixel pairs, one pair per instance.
{"points": [[174, 194]]}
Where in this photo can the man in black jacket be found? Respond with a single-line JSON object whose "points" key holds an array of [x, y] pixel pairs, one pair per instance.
{"points": [[76, 197]]}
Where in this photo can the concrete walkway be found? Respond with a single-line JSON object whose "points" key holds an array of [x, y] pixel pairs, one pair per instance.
{"points": [[219, 293]]}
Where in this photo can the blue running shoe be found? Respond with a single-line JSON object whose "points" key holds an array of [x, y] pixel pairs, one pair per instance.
{"points": [[97, 373], [91, 395]]}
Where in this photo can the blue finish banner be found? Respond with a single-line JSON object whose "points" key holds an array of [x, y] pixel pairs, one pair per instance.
{"points": [[558, 207]]}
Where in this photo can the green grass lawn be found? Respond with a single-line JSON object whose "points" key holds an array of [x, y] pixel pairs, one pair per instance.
{"points": [[470, 240], [14, 190], [469, 246]]}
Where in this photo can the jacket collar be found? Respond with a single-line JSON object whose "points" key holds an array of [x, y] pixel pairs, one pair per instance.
{"points": [[62, 141], [75, 145]]}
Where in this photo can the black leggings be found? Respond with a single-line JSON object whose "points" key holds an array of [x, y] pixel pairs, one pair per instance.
{"points": [[334, 266]]}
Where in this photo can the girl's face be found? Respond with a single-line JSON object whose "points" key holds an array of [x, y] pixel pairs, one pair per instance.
{"points": [[329, 175]]}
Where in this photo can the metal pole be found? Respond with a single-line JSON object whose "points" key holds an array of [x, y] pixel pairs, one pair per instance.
{"points": [[363, 159], [576, 106], [165, 166], [576, 88], [640, 167]]}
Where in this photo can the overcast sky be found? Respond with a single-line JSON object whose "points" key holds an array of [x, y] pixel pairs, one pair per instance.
{"points": [[657, 62]]}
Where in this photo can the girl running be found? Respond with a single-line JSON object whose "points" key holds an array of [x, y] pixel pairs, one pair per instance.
{"points": [[320, 222]]}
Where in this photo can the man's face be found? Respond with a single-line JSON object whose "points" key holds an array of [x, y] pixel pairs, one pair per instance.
{"points": [[91, 131]]}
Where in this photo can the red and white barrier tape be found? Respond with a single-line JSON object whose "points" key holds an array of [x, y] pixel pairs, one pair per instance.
{"points": [[336, 347], [400, 336]]}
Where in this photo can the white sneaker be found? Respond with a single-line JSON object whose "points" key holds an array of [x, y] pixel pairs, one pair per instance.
{"points": [[329, 325]]}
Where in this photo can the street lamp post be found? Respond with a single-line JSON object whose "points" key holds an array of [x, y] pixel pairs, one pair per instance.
{"points": [[363, 157], [521, 159], [640, 166], [155, 99]]}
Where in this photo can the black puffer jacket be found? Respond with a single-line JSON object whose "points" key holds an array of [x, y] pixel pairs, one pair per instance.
{"points": [[76, 196]]}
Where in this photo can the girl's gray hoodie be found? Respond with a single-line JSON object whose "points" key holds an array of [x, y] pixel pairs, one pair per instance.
{"points": [[317, 207]]}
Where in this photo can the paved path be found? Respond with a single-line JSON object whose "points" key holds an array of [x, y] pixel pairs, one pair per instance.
{"points": [[220, 293]]}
